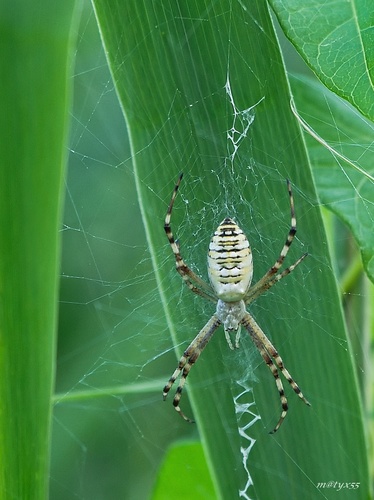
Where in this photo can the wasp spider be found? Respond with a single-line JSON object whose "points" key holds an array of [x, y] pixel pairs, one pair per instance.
{"points": [[230, 272]]}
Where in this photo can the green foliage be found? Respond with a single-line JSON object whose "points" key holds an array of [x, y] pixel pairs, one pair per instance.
{"points": [[342, 160], [189, 458], [336, 42], [34, 90]]}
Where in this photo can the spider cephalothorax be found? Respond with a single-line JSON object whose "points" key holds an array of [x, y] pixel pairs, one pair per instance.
{"points": [[230, 271]]}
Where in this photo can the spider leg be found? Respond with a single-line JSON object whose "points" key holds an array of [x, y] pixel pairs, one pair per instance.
{"points": [[269, 353], [189, 357], [278, 263], [266, 357], [194, 282], [255, 292]]}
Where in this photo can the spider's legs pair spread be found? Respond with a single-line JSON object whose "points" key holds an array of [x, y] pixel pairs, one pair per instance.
{"points": [[265, 347]]}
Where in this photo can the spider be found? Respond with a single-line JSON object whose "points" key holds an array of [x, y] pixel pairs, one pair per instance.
{"points": [[230, 271]]}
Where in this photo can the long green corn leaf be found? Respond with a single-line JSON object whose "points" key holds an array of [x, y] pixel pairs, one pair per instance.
{"points": [[34, 90]]}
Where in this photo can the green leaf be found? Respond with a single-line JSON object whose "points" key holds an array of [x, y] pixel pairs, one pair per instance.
{"points": [[34, 90], [186, 73], [188, 457], [337, 42], [342, 160]]}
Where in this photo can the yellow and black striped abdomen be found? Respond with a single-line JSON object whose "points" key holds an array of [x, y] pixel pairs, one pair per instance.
{"points": [[230, 266]]}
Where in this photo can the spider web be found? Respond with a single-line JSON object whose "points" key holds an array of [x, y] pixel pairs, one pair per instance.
{"points": [[112, 326]]}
